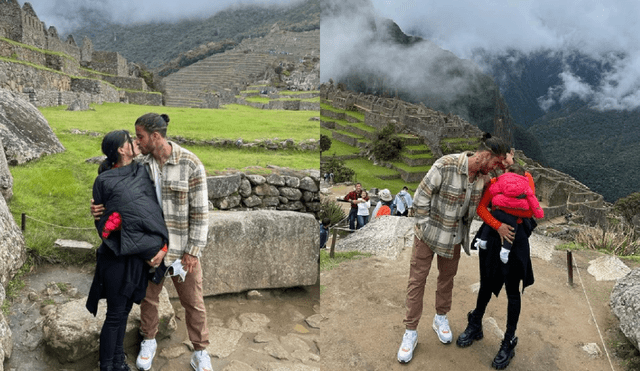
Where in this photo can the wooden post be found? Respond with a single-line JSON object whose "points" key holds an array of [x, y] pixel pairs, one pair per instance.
{"points": [[570, 266], [333, 243], [24, 221]]}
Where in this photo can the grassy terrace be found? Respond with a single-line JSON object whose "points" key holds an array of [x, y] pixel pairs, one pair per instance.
{"points": [[369, 176], [353, 114], [57, 188], [359, 125]]}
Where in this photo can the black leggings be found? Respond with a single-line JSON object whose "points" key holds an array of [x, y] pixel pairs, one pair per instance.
{"points": [[115, 324], [512, 286]]}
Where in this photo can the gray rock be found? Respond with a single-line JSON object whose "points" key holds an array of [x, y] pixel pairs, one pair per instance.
{"points": [[12, 247], [625, 304], [262, 249], [252, 201], [270, 201], [293, 194], [223, 341], [276, 180], [308, 196], [308, 184], [25, 133], [256, 179], [245, 188], [385, 236], [291, 206], [266, 190], [227, 203], [238, 366], [292, 181], [223, 185], [6, 179], [79, 105], [70, 332], [607, 268]]}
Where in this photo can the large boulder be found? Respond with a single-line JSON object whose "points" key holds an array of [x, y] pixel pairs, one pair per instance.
{"points": [[12, 248], [25, 133], [625, 304], [70, 332], [6, 338], [259, 250], [6, 179]]}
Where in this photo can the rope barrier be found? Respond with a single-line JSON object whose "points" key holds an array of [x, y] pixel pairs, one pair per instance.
{"points": [[59, 226], [594, 318]]}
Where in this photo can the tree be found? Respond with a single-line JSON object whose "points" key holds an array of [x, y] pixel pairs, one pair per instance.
{"points": [[325, 143], [387, 145]]}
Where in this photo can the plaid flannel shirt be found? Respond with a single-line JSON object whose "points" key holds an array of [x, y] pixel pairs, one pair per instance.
{"points": [[185, 201], [442, 218]]}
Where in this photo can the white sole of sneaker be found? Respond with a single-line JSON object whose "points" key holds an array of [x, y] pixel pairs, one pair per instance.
{"points": [[146, 369], [409, 360], [436, 329]]}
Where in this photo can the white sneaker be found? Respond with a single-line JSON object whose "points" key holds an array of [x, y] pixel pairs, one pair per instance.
{"points": [[409, 342], [200, 361], [441, 327], [147, 352]]}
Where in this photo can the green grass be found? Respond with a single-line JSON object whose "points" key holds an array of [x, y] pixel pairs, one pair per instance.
{"points": [[327, 263], [289, 92], [367, 174], [55, 190], [232, 122], [338, 148]]}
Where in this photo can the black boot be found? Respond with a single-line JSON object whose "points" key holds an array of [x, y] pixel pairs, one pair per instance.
{"points": [[120, 363], [472, 332], [506, 352]]}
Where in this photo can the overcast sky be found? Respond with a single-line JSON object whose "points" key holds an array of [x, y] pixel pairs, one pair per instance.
{"points": [[61, 13], [603, 29]]}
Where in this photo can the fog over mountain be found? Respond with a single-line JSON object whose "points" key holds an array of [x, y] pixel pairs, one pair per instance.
{"points": [[604, 32], [67, 15]]}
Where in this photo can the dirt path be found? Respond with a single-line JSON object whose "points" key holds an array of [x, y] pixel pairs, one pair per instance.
{"points": [[363, 302]]}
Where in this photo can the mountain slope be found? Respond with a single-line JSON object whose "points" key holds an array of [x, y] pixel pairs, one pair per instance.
{"points": [[155, 44]]}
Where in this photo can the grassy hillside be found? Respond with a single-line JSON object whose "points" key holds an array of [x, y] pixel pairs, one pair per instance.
{"points": [[600, 149]]}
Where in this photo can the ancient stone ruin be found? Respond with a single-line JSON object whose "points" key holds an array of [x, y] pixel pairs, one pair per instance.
{"points": [[73, 72]]}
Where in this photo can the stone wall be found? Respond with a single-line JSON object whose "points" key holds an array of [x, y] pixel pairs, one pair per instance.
{"points": [[143, 98], [10, 20], [33, 32], [295, 192], [130, 83], [111, 63], [16, 77]]}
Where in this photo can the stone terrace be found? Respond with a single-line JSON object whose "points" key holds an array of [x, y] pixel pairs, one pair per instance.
{"points": [[237, 67]]}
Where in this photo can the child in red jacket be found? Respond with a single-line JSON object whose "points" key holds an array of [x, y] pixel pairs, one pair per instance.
{"points": [[513, 198]]}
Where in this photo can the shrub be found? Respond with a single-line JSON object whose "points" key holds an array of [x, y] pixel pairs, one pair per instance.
{"points": [[387, 145], [330, 209], [325, 143], [617, 239], [628, 206], [334, 165]]}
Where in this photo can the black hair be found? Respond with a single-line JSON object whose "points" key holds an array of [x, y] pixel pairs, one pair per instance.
{"points": [[326, 222], [110, 144], [495, 145], [515, 168], [153, 122]]}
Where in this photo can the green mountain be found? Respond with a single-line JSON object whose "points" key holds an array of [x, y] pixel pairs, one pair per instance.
{"points": [[157, 43]]}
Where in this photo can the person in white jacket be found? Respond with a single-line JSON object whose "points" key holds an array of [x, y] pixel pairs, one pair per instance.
{"points": [[363, 209], [403, 202]]}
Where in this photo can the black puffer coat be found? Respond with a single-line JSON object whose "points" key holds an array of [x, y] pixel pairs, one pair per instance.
{"points": [[129, 191]]}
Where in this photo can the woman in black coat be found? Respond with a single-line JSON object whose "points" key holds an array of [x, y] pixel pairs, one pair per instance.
{"points": [[133, 231]]}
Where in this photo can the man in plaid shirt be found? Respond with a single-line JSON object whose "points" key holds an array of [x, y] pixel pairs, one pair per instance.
{"points": [[181, 187], [444, 204]]}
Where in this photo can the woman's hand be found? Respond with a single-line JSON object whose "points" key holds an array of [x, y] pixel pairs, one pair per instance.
{"points": [[506, 232], [156, 260]]}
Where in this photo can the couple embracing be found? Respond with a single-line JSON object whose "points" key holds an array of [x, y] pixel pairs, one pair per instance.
{"points": [[151, 212]]}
